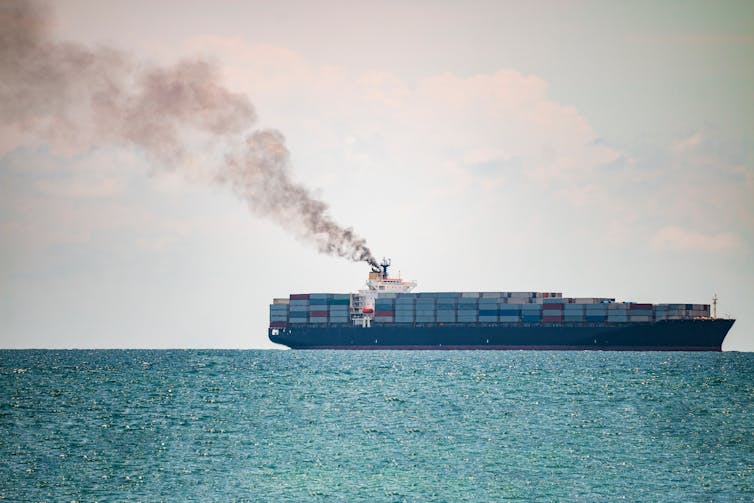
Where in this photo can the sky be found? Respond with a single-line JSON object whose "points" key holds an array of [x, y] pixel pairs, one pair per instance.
{"points": [[591, 148]]}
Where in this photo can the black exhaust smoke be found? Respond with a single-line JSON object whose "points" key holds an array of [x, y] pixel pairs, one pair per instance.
{"points": [[74, 96]]}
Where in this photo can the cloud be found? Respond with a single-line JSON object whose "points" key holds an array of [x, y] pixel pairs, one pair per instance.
{"points": [[441, 120], [687, 145], [676, 238]]}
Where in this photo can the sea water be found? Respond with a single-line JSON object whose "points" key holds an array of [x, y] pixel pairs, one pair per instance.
{"points": [[190, 425]]}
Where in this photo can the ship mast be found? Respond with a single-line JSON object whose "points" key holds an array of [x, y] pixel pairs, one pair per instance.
{"points": [[714, 306]]}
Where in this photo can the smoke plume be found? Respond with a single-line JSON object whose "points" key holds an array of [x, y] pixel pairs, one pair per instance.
{"points": [[75, 97]]}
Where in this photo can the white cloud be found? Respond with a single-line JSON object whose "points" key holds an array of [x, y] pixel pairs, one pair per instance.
{"points": [[435, 125], [676, 238], [688, 144]]}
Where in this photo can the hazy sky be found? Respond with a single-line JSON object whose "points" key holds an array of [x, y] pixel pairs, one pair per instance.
{"points": [[592, 148]]}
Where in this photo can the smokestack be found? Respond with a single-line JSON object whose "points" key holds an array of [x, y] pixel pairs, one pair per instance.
{"points": [[75, 97]]}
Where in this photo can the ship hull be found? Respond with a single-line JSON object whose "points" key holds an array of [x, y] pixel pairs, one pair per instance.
{"points": [[670, 335]]}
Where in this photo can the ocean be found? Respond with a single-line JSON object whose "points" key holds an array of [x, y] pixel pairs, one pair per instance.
{"points": [[195, 425]]}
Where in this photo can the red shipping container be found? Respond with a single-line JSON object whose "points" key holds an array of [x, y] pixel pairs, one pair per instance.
{"points": [[640, 306], [278, 324], [318, 314], [299, 296], [551, 319], [384, 313], [553, 307]]}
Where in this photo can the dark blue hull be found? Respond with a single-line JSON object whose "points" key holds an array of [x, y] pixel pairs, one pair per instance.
{"points": [[671, 335]]}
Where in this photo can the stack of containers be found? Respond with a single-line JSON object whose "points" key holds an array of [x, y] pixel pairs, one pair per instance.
{"points": [[573, 312], [595, 312], [318, 307], [405, 308], [447, 304], [676, 311], [661, 312], [552, 310], [468, 308], [510, 313], [425, 309], [298, 308], [488, 307], [384, 308], [681, 311], [531, 313], [279, 313], [617, 312], [640, 312], [338, 307]]}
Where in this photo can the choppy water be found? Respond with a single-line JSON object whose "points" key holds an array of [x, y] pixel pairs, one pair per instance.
{"points": [[375, 426]]}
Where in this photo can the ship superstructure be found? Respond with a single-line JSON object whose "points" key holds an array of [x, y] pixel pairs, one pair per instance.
{"points": [[378, 284]]}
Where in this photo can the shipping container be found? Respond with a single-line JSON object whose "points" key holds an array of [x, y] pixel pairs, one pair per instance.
{"points": [[531, 307], [553, 307], [278, 324], [339, 302], [573, 308], [634, 306], [280, 301], [555, 301], [299, 296], [551, 319]]}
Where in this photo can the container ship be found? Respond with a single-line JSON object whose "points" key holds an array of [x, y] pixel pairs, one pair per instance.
{"points": [[388, 315]]}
